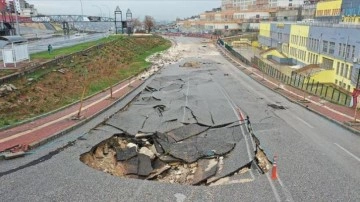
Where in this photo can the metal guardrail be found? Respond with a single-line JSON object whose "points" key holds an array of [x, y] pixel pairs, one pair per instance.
{"points": [[304, 83]]}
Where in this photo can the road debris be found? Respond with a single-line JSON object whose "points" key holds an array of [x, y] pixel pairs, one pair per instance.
{"points": [[179, 129]]}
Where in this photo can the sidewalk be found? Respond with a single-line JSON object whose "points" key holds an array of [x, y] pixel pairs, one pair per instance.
{"points": [[48, 127], [341, 115]]}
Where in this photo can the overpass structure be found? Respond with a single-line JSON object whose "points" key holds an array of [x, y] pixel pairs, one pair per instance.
{"points": [[68, 18]]}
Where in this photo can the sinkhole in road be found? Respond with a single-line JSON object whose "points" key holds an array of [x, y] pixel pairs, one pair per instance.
{"points": [[150, 158], [182, 128]]}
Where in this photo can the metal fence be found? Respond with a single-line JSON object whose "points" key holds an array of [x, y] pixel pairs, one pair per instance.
{"points": [[302, 82]]}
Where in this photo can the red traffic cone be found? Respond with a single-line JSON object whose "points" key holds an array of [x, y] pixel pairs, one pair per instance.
{"points": [[274, 175], [240, 114]]}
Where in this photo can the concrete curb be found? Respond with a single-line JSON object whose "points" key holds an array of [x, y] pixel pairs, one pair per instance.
{"points": [[357, 132]]}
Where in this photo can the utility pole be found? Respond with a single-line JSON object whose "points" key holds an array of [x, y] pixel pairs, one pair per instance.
{"points": [[16, 5]]}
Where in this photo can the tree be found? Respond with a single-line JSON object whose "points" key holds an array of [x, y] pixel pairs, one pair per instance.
{"points": [[136, 24], [149, 23]]}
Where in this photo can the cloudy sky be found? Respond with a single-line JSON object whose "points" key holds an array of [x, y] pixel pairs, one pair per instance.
{"points": [[159, 9]]}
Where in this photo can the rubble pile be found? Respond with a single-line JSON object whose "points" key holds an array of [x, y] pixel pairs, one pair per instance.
{"points": [[6, 89], [193, 64]]}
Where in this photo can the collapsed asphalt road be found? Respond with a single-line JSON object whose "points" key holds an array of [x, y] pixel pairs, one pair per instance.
{"points": [[182, 128], [310, 166]]}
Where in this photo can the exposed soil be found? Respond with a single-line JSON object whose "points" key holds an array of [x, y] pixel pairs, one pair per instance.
{"points": [[49, 89], [120, 156]]}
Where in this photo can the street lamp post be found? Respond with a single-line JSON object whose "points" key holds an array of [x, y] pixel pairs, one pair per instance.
{"points": [[82, 11]]}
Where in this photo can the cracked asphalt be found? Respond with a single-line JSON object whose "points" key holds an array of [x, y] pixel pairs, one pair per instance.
{"points": [[317, 160]]}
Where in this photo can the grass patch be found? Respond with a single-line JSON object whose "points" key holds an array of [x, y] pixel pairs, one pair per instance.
{"points": [[104, 67], [4, 72]]}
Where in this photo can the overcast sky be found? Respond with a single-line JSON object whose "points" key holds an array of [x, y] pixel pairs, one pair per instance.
{"points": [[159, 9]]}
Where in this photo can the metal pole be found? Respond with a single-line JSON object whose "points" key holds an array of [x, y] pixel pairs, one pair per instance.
{"points": [[16, 19], [82, 11]]}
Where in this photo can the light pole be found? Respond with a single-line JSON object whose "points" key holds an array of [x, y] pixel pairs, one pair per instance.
{"points": [[82, 11], [16, 9], [99, 9]]}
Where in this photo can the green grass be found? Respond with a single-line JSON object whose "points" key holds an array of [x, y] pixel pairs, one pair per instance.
{"points": [[4, 72], [133, 66], [137, 66]]}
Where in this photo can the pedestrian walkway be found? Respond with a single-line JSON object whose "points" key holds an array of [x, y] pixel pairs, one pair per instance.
{"points": [[46, 128], [341, 115]]}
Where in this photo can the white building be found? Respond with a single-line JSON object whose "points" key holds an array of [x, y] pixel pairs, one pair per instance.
{"points": [[285, 3]]}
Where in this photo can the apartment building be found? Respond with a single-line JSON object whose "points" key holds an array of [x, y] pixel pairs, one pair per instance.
{"points": [[332, 47]]}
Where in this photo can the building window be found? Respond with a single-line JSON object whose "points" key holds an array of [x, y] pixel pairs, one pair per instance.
{"points": [[350, 72], [325, 46], [331, 48], [346, 71], [339, 51], [353, 53], [336, 81], [342, 69], [337, 68], [343, 53], [348, 88], [347, 51]]}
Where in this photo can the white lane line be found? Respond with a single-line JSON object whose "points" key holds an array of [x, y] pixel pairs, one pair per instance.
{"points": [[304, 122], [345, 150], [241, 127], [286, 191], [62, 118], [276, 194], [186, 99]]}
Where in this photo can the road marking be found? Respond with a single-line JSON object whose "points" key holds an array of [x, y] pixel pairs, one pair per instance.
{"points": [[180, 197], [286, 191], [304, 122], [241, 127], [186, 98], [345, 150], [62, 118], [276, 194]]}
